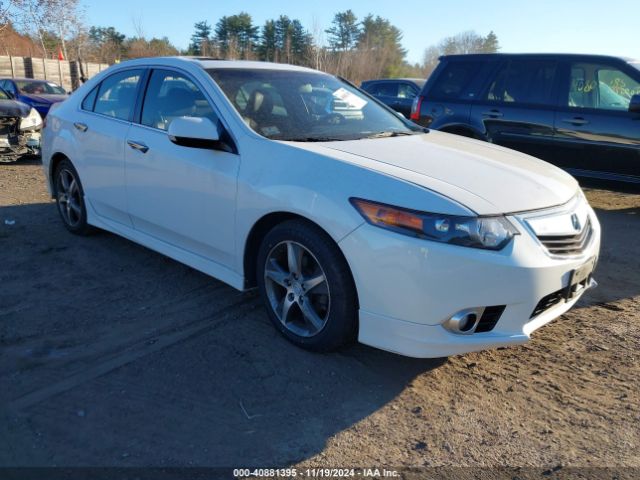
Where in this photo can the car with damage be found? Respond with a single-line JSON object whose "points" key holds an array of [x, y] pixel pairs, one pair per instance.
{"points": [[20, 127]]}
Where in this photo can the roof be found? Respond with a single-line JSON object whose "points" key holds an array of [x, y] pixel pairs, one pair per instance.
{"points": [[541, 54], [214, 63], [404, 79]]}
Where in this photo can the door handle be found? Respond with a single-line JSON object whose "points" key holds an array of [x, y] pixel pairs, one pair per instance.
{"points": [[493, 114], [141, 147], [81, 126], [575, 121]]}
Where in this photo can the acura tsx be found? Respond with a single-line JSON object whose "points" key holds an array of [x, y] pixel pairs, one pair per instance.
{"points": [[352, 226]]}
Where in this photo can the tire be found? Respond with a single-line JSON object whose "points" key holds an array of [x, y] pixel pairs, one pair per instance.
{"points": [[293, 258], [70, 199]]}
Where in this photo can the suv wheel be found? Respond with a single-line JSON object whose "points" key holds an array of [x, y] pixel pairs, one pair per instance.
{"points": [[307, 286]]}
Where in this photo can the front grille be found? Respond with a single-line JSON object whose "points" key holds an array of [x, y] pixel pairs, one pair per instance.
{"points": [[549, 301], [568, 244], [489, 318]]}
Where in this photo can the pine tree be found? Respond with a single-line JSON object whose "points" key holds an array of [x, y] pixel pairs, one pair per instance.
{"points": [[344, 31], [490, 43], [200, 39], [268, 42]]}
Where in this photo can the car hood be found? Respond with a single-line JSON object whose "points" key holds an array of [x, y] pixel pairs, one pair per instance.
{"points": [[483, 177], [13, 108], [45, 98]]}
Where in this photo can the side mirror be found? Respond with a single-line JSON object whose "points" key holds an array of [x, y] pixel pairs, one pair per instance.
{"points": [[194, 132], [634, 105]]}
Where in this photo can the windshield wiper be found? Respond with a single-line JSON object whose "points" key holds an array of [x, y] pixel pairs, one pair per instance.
{"points": [[388, 134], [311, 139]]}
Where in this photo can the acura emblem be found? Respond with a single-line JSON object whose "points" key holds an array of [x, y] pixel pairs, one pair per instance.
{"points": [[575, 221]]}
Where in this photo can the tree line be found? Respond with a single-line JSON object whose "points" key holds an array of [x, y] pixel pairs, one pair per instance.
{"points": [[352, 47]]}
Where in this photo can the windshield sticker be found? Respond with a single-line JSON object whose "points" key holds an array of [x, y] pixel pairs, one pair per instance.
{"points": [[350, 99], [269, 131]]}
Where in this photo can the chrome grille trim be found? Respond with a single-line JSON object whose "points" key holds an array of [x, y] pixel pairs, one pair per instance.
{"points": [[568, 244]]}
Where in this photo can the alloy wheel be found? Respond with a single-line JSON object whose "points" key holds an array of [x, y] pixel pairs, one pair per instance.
{"points": [[297, 288], [69, 197]]}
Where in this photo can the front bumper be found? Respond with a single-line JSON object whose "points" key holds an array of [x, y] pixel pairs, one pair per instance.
{"points": [[408, 287], [13, 147]]}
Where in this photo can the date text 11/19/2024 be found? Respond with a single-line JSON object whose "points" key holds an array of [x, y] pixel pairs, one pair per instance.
{"points": [[242, 473]]}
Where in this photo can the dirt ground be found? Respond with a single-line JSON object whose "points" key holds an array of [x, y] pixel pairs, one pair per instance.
{"points": [[113, 355]]}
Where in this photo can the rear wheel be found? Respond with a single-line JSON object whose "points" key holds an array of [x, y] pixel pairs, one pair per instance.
{"points": [[70, 198], [307, 287]]}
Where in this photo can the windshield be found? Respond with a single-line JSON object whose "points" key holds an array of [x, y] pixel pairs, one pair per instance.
{"points": [[306, 106], [3, 95], [39, 88]]}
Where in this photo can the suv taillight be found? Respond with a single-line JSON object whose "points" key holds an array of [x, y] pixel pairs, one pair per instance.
{"points": [[415, 108]]}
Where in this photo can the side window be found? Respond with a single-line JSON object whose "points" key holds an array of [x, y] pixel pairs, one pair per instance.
{"points": [[117, 94], [406, 90], [8, 86], [171, 95], [384, 89], [524, 82], [453, 80], [90, 100], [600, 86]]}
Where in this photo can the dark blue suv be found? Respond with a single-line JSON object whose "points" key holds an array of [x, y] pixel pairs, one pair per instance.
{"points": [[397, 93], [580, 112]]}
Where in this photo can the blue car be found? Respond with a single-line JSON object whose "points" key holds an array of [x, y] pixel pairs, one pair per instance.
{"points": [[39, 94]]}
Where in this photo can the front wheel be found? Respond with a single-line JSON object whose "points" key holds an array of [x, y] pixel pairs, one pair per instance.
{"points": [[70, 198], [307, 287]]}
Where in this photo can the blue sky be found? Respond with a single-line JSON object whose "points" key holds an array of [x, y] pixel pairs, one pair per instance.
{"points": [[580, 26]]}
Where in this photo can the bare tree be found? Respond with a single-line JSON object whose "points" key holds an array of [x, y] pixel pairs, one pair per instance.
{"points": [[7, 12], [64, 14], [33, 15], [461, 44]]}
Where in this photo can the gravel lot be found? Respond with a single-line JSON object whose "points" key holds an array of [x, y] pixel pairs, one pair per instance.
{"points": [[113, 355]]}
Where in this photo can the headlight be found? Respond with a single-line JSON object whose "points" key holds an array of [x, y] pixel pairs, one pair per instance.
{"points": [[491, 233], [32, 120]]}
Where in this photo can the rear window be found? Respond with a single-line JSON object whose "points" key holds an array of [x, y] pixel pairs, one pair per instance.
{"points": [[454, 80]]}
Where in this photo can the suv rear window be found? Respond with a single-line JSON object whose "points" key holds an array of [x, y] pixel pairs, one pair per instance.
{"points": [[453, 80]]}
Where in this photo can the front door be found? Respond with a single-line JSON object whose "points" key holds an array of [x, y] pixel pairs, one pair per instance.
{"points": [[595, 132], [181, 195]]}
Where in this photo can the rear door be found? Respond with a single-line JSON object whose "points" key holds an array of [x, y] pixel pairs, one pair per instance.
{"points": [[386, 92], [100, 129], [516, 109], [595, 132]]}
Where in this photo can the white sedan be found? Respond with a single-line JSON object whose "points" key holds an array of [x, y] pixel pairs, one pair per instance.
{"points": [[351, 226]]}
